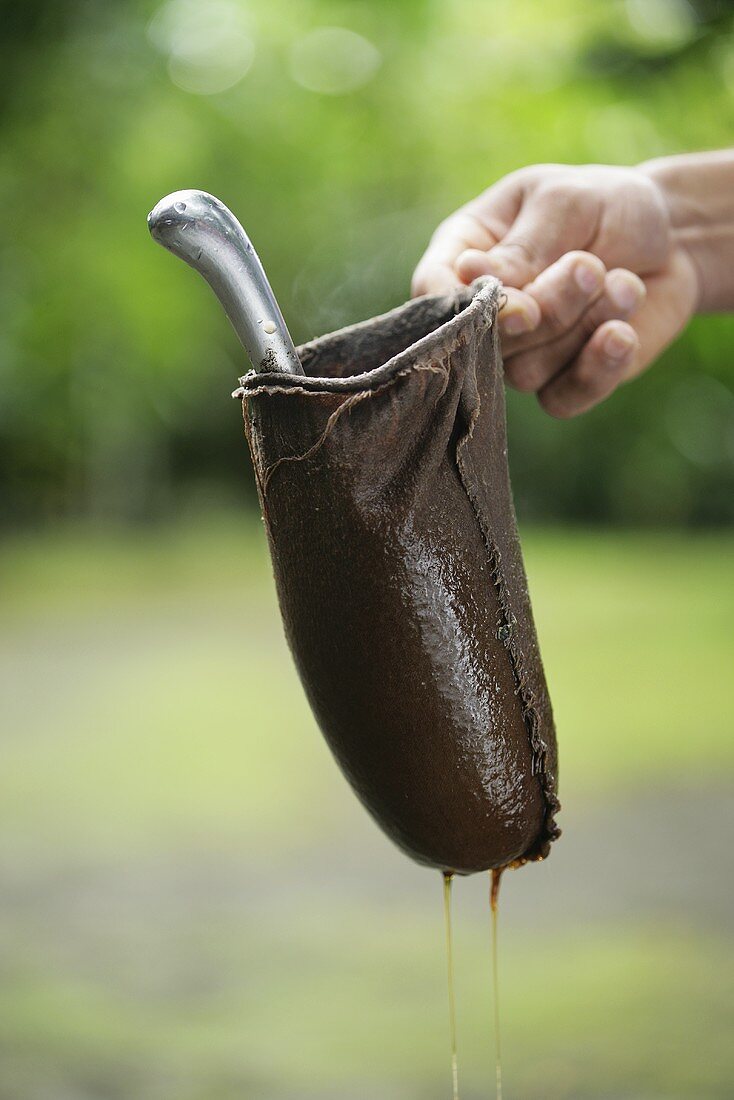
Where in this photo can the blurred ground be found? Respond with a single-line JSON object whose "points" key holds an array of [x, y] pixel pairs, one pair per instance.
{"points": [[194, 905]]}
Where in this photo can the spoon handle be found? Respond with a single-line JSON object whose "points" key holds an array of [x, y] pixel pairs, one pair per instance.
{"points": [[200, 229]]}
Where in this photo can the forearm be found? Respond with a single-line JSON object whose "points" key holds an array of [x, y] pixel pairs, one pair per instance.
{"points": [[699, 192]]}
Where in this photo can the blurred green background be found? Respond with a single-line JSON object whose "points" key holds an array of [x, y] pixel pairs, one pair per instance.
{"points": [[192, 904]]}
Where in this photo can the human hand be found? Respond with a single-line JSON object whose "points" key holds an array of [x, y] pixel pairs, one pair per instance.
{"points": [[550, 233]]}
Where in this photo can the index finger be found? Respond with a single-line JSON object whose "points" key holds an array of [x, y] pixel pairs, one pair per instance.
{"points": [[436, 270], [479, 224]]}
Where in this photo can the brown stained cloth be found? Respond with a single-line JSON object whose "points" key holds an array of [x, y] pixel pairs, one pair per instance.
{"points": [[386, 498]]}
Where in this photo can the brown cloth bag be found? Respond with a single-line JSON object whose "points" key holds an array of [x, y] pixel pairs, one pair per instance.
{"points": [[385, 493]]}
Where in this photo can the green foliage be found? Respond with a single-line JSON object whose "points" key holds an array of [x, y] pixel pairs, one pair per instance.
{"points": [[115, 363]]}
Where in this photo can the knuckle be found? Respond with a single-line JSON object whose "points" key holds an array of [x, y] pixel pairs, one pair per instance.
{"points": [[566, 190], [522, 249], [564, 302], [591, 260], [573, 202], [530, 175], [577, 255]]}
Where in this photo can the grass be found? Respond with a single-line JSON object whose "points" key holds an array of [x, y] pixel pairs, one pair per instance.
{"points": [[195, 905]]}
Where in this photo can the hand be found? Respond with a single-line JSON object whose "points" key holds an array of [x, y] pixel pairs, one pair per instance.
{"points": [[538, 230]]}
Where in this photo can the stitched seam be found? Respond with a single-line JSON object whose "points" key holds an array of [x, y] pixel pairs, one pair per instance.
{"points": [[530, 714]]}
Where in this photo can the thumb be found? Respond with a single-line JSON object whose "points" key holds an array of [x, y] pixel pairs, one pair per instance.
{"points": [[550, 222]]}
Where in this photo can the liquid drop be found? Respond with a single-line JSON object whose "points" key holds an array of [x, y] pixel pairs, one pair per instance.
{"points": [[447, 882]]}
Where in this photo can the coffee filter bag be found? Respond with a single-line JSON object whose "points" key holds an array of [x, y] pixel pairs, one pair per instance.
{"points": [[385, 493]]}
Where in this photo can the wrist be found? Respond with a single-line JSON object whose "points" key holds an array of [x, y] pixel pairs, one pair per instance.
{"points": [[698, 193]]}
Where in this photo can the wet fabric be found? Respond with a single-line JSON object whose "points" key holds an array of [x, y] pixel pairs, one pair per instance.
{"points": [[386, 498]]}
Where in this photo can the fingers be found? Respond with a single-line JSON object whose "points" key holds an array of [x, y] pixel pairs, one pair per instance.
{"points": [[478, 225], [568, 320], [564, 293], [552, 219], [671, 301], [436, 271], [603, 363], [617, 352], [520, 315]]}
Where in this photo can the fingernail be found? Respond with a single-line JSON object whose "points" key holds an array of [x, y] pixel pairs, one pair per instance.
{"points": [[618, 345], [625, 289], [515, 322], [588, 278]]}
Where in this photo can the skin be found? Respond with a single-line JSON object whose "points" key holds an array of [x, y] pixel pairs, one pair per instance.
{"points": [[603, 267]]}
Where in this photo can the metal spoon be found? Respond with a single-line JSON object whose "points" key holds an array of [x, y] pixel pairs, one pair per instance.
{"points": [[200, 229]]}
